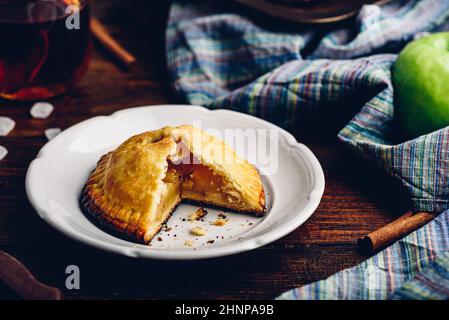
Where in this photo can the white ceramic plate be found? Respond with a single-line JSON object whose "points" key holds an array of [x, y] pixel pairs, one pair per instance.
{"points": [[292, 176]]}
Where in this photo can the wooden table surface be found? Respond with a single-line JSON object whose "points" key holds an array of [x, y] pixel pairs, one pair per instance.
{"points": [[357, 199]]}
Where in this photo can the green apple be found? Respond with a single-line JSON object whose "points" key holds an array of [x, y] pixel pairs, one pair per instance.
{"points": [[421, 85]]}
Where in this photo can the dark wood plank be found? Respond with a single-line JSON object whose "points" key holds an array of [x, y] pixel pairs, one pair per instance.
{"points": [[357, 199]]}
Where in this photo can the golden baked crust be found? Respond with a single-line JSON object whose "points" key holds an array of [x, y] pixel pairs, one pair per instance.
{"points": [[129, 184]]}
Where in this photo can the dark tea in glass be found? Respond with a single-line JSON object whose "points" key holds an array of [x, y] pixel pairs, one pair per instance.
{"points": [[44, 47]]}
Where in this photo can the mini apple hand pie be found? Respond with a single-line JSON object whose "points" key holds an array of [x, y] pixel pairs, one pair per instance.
{"points": [[135, 188]]}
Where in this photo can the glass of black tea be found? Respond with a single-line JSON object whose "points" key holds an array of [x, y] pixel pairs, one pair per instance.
{"points": [[45, 47]]}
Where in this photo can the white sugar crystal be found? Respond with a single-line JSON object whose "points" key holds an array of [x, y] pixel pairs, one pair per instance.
{"points": [[3, 152], [50, 133], [41, 110], [6, 126]]}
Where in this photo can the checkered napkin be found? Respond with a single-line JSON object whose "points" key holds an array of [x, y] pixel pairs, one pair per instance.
{"points": [[221, 57]]}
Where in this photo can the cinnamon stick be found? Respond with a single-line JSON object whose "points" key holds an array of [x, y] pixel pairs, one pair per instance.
{"points": [[393, 231], [100, 33]]}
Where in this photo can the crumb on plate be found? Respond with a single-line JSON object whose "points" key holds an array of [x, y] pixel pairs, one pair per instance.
{"points": [[188, 243], [198, 214], [222, 216], [219, 222], [198, 231]]}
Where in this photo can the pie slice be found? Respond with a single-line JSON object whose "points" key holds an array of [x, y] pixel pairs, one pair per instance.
{"points": [[135, 188]]}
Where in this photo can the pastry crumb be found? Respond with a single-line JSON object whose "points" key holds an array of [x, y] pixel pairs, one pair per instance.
{"points": [[159, 239], [188, 243], [198, 214], [222, 216], [219, 222], [198, 231], [51, 133], [210, 241]]}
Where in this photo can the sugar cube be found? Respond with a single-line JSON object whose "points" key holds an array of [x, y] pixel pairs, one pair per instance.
{"points": [[3, 152], [50, 133], [6, 126], [41, 110]]}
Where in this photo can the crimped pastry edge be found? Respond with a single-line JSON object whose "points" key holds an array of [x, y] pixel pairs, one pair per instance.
{"points": [[115, 226]]}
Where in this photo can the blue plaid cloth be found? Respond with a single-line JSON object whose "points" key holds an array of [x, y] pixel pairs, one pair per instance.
{"points": [[396, 273], [221, 58]]}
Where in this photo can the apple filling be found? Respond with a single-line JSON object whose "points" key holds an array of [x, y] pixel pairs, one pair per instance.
{"points": [[201, 184], [194, 182]]}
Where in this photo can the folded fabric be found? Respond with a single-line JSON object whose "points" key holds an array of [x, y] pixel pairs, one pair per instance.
{"points": [[431, 284], [389, 270], [285, 73]]}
